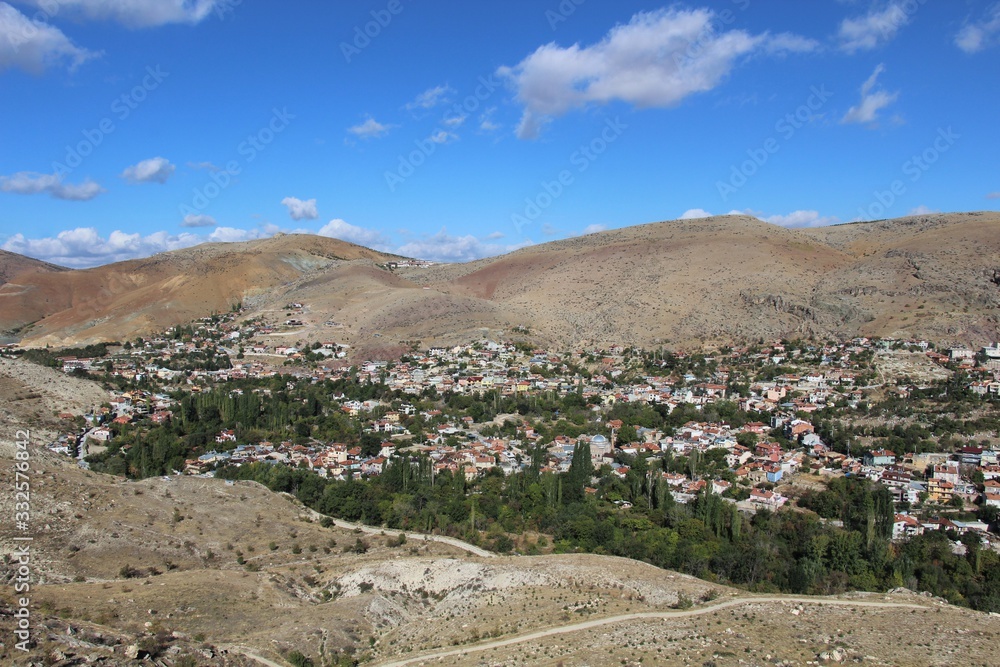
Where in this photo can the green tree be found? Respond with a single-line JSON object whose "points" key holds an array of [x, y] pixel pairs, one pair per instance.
{"points": [[580, 471]]}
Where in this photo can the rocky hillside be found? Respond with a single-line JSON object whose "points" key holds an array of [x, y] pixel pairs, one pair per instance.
{"points": [[139, 297], [682, 284], [12, 265]]}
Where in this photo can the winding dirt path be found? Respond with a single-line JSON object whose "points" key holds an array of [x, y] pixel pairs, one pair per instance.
{"points": [[655, 615], [391, 532], [243, 650]]}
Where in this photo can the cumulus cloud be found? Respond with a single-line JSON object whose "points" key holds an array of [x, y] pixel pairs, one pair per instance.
{"points": [[299, 209], [876, 27], [34, 46], [198, 220], [234, 235], [656, 60], [443, 247], [84, 247], [345, 231], [31, 183], [133, 13], [153, 170], [800, 219], [431, 97], [694, 214], [979, 35], [873, 100], [440, 247], [795, 219], [370, 129]]}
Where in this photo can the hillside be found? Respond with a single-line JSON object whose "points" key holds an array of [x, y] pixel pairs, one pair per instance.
{"points": [[673, 282], [216, 571], [682, 284], [12, 265], [141, 297], [934, 277], [14, 268]]}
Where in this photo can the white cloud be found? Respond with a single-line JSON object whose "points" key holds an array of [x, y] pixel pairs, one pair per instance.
{"points": [[206, 166], [299, 209], [442, 247], [370, 238], [694, 214], [198, 220], [872, 101], [785, 43], [153, 170], [977, 36], [799, 219], [132, 13], [83, 246], [593, 229], [234, 235], [793, 219], [31, 183], [34, 46], [875, 28], [486, 122], [658, 59], [370, 129], [443, 137], [993, 195], [431, 97], [495, 235], [922, 210]]}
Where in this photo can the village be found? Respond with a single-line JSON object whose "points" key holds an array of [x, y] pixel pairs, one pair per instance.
{"points": [[755, 470]]}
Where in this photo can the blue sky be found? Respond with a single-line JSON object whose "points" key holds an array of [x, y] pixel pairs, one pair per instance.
{"points": [[452, 130]]}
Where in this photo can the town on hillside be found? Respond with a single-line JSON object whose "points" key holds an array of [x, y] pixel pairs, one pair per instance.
{"points": [[903, 428], [769, 418]]}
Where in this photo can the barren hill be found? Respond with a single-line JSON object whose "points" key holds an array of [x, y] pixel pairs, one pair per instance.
{"points": [[678, 282], [143, 296], [936, 277], [12, 264], [737, 278], [681, 283]]}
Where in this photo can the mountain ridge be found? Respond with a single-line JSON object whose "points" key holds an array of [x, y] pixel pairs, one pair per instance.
{"points": [[686, 284]]}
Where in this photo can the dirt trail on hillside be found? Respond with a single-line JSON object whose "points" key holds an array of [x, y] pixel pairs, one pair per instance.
{"points": [[665, 615]]}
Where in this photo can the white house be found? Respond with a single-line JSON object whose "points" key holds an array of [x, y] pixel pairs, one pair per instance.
{"points": [[905, 525]]}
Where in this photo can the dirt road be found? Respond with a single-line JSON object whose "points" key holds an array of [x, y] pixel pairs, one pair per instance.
{"points": [[243, 650], [372, 530], [657, 615]]}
